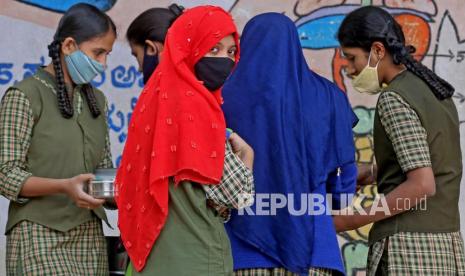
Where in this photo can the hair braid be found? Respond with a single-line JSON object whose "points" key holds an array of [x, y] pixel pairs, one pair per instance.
{"points": [[402, 55], [64, 103], [91, 100]]}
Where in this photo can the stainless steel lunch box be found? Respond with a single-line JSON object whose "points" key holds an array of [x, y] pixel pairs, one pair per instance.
{"points": [[103, 186], [101, 189]]}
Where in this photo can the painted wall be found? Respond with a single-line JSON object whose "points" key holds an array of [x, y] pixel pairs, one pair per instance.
{"points": [[436, 28]]}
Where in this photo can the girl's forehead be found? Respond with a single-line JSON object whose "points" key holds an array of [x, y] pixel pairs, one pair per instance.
{"points": [[104, 41], [353, 51], [228, 41]]}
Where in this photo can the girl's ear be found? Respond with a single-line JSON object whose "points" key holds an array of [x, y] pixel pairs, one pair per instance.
{"points": [[68, 46], [378, 49], [153, 47]]}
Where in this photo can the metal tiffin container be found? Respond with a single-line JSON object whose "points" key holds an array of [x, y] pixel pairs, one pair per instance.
{"points": [[103, 186]]}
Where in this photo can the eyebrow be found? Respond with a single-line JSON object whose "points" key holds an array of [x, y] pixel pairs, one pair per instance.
{"points": [[222, 45], [219, 43], [103, 50], [344, 54]]}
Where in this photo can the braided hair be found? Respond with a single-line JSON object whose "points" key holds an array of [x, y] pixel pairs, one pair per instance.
{"points": [[153, 24], [64, 103], [82, 22], [368, 24]]}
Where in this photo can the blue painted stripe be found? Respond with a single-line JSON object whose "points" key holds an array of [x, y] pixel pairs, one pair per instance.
{"points": [[63, 5]]}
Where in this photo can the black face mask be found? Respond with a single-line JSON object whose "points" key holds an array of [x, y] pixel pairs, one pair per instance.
{"points": [[149, 64], [213, 71]]}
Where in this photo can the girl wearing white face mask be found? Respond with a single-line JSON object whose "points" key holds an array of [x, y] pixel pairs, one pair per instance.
{"points": [[417, 149], [367, 81]]}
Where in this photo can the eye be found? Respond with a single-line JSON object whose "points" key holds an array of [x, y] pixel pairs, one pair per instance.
{"points": [[214, 50], [232, 52], [98, 52], [349, 58]]}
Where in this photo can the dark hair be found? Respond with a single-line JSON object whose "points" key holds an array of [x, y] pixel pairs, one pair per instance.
{"points": [[153, 24], [82, 22], [368, 24]]}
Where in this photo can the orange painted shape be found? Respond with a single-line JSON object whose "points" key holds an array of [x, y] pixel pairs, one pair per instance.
{"points": [[417, 33], [339, 62]]}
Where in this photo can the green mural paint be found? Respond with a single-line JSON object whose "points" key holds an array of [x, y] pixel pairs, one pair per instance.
{"points": [[355, 256], [367, 2], [365, 120]]}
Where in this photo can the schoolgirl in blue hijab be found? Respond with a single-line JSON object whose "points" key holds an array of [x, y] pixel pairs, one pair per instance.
{"points": [[300, 127]]}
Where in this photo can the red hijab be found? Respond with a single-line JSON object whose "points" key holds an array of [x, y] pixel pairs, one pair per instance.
{"points": [[177, 130]]}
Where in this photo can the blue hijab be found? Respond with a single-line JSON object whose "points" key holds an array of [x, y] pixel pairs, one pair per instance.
{"points": [[300, 127]]}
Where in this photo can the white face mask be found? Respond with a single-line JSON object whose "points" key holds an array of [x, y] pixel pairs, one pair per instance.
{"points": [[367, 81]]}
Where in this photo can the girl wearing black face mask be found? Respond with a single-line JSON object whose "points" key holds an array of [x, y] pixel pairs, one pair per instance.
{"points": [[217, 64], [146, 36], [180, 170]]}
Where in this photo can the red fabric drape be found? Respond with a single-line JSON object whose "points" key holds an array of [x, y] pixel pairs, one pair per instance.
{"points": [[177, 130]]}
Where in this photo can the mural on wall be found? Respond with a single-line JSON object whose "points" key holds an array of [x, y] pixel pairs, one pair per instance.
{"points": [[318, 30], [449, 58], [64, 5], [433, 27]]}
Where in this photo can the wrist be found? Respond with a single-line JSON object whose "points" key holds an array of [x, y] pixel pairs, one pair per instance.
{"points": [[360, 220], [63, 185]]}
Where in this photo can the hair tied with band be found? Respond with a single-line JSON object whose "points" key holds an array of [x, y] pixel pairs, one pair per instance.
{"points": [[363, 26], [176, 9]]}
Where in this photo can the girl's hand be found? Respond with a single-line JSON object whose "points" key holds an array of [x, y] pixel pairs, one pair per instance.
{"points": [[74, 188], [242, 149], [366, 175]]}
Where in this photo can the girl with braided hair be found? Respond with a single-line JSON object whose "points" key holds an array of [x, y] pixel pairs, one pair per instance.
{"points": [[417, 150], [53, 136]]}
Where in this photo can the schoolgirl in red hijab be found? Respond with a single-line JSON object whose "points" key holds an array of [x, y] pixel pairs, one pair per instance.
{"points": [[177, 130]]}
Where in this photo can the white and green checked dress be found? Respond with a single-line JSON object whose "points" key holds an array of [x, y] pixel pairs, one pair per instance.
{"points": [[33, 249], [408, 253], [280, 272]]}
